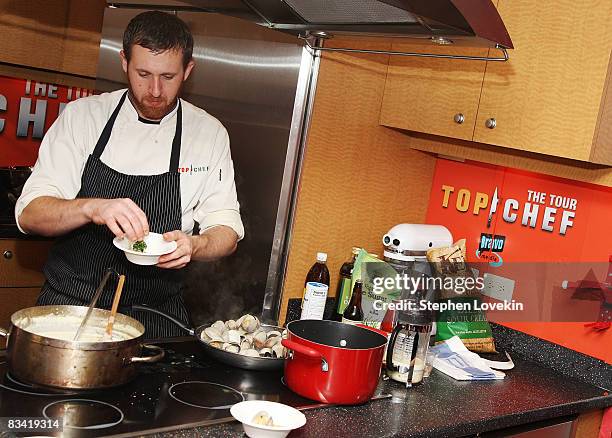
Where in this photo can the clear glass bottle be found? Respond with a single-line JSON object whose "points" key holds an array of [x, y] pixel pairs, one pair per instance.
{"points": [[409, 342]]}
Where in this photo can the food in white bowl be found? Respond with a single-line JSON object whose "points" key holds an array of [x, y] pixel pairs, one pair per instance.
{"points": [[266, 419], [139, 246], [263, 418], [146, 251]]}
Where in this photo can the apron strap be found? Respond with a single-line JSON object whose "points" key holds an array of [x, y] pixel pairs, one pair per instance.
{"points": [[176, 142], [108, 128]]}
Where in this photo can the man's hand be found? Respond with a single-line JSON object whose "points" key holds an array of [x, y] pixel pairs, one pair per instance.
{"points": [[122, 216], [181, 255]]}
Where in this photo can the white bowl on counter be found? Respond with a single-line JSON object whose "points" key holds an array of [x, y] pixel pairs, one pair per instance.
{"points": [[156, 247], [285, 418]]}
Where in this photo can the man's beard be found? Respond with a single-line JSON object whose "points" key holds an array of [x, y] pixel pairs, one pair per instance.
{"points": [[150, 112]]}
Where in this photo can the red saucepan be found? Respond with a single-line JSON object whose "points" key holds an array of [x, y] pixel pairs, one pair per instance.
{"points": [[333, 362]]}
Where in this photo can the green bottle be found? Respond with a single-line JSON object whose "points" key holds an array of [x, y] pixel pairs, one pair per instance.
{"points": [[343, 294]]}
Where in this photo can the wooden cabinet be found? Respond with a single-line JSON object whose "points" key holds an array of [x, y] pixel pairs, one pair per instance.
{"points": [[57, 35], [433, 95], [21, 277], [552, 97], [547, 99]]}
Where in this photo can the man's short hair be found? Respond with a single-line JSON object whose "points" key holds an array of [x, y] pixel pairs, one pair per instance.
{"points": [[158, 31]]}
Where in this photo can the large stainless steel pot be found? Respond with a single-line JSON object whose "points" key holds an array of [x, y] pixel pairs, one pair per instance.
{"points": [[77, 365]]}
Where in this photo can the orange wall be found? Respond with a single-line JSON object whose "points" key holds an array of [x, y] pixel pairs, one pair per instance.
{"points": [[571, 335], [586, 245]]}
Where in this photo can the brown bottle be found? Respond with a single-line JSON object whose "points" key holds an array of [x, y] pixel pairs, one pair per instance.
{"points": [[316, 288], [353, 314], [343, 294]]}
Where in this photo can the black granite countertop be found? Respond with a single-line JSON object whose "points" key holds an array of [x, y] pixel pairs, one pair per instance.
{"points": [[548, 382], [444, 407]]}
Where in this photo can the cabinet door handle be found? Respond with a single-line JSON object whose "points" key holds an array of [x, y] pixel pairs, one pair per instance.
{"points": [[491, 123], [8, 254], [459, 118]]}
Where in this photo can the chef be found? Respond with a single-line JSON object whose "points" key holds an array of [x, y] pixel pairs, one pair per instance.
{"points": [[129, 162]]}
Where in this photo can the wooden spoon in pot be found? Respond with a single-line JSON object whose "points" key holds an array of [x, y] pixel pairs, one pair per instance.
{"points": [[111, 318]]}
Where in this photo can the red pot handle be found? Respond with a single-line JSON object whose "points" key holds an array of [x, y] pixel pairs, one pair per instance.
{"points": [[302, 349], [306, 351]]}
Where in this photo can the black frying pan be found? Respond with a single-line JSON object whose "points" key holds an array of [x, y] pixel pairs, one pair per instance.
{"points": [[227, 357]]}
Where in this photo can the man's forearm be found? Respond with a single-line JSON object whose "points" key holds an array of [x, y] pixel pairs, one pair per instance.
{"points": [[214, 243], [49, 216]]}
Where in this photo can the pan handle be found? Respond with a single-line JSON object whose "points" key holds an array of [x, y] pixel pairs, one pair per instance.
{"points": [[307, 351], [143, 308], [391, 347], [150, 359]]}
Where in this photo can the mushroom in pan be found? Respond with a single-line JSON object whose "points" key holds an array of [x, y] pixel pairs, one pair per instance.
{"points": [[259, 339], [250, 352], [244, 336], [266, 352], [249, 323], [232, 348], [219, 326], [279, 351]]}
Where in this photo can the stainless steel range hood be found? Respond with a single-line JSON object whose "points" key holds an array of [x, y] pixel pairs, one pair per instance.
{"points": [[462, 22]]}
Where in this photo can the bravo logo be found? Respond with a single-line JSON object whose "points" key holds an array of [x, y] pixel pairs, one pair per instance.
{"points": [[489, 248]]}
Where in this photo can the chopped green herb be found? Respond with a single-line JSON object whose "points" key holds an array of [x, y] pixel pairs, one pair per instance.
{"points": [[139, 246]]}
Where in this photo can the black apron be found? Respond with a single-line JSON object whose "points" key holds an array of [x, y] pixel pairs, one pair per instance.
{"points": [[78, 260]]}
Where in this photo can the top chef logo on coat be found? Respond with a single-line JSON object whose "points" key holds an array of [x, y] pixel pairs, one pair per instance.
{"points": [[546, 211], [191, 169]]}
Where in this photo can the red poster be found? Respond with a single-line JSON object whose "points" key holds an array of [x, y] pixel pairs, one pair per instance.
{"points": [[540, 239], [27, 110], [543, 218]]}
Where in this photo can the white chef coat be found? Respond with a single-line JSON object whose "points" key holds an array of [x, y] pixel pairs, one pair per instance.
{"points": [[136, 147]]}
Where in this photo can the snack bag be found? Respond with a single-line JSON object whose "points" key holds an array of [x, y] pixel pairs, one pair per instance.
{"points": [[470, 325]]}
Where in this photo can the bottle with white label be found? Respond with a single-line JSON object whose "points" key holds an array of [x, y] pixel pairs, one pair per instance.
{"points": [[315, 289]]}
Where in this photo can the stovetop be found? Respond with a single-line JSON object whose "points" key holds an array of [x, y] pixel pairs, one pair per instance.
{"points": [[185, 389]]}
